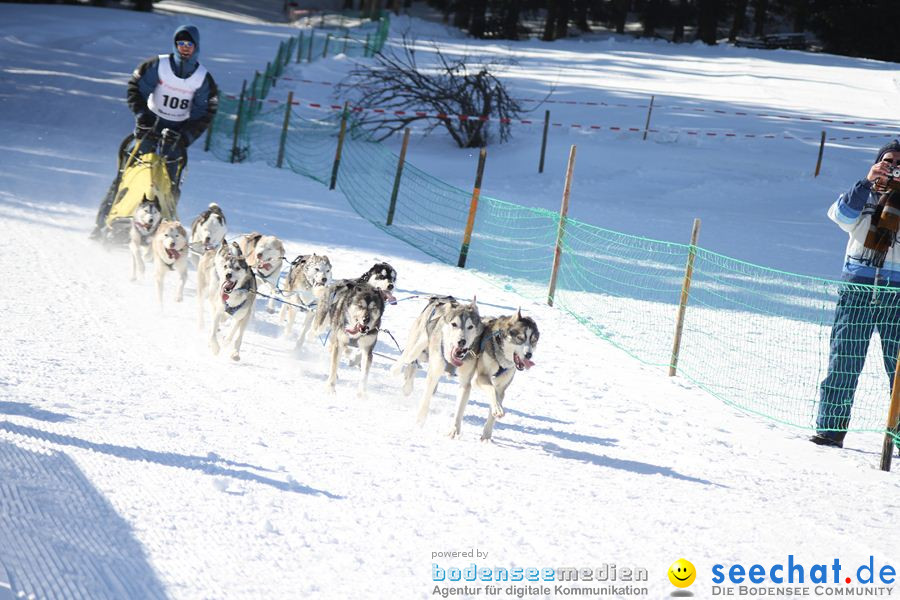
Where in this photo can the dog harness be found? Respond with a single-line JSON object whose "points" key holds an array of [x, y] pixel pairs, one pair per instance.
{"points": [[492, 338], [173, 97], [230, 310]]}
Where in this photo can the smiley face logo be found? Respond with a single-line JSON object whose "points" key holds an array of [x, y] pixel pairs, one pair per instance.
{"points": [[682, 573]]}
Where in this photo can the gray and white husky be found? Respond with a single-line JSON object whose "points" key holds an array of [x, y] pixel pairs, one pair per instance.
{"points": [[506, 345], [145, 222], [170, 253], [232, 297], [264, 254], [208, 230], [442, 336], [307, 282], [354, 314]]}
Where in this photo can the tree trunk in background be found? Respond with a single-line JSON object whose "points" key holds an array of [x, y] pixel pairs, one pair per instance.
{"points": [[550, 24], [707, 20], [621, 14], [562, 18], [511, 20], [678, 29], [649, 17], [801, 11], [479, 7], [760, 8], [740, 16], [581, 15], [461, 14]]}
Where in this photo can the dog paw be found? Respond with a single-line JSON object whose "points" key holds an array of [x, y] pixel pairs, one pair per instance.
{"points": [[214, 347], [362, 395], [271, 311], [486, 438], [454, 433], [498, 412], [179, 298], [235, 356]]}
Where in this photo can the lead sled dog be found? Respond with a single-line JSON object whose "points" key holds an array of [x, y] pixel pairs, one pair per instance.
{"points": [[505, 346], [442, 336]]}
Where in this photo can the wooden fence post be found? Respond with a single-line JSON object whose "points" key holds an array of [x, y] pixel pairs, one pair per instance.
{"points": [[560, 232], [544, 140], [284, 128], [400, 162], [325, 51], [473, 208], [340, 147], [237, 121], [821, 150], [887, 448], [299, 47], [312, 38], [685, 294], [649, 112]]}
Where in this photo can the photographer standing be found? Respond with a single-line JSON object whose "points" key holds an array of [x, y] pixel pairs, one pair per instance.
{"points": [[173, 97], [870, 214]]}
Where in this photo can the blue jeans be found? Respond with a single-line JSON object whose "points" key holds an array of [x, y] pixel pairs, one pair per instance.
{"points": [[855, 319]]}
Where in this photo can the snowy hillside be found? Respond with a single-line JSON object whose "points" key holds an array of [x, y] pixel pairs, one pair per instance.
{"points": [[134, 464]]}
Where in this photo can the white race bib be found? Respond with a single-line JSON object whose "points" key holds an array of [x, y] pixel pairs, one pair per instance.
{"points": [[173, 96]]}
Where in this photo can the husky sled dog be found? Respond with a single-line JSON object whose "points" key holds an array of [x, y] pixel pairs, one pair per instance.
{"points": [[145, 221], [210, 273], [442, 336], [307, 280], [354, 315], [170, 253], [231, 293], [506, 345], [382, 277], [208, 229], [264, 254]]}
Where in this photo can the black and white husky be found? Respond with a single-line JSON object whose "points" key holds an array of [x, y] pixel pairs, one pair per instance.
{"points": [[506, 345], [354, 315], [307, 282], [442, 336], [208, 230], [145, 221], [232, 294]]}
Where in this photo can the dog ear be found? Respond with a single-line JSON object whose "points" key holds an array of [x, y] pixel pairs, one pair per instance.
{"points": [[236, 249], [518, 313], [474, 302]]}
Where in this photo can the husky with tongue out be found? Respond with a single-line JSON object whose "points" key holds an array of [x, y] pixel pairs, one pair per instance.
{"points": [[442, 336], [233, 297], [265, 254], [354, 314], [170, 253], [505, 346]]}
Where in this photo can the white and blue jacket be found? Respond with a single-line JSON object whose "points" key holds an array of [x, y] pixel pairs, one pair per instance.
{"points": [[853, 213]]}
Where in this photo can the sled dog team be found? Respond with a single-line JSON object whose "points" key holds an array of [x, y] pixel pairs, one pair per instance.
{"points": [[449, 336]]}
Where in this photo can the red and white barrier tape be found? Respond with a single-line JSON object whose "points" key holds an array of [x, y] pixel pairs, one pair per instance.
{"points": [[673, 107], [577, 126]]}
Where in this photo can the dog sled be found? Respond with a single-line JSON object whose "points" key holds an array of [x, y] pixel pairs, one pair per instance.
{"points": [[139, 176]]}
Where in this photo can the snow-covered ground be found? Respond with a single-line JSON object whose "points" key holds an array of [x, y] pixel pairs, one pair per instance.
{"points": [[134, 464]]}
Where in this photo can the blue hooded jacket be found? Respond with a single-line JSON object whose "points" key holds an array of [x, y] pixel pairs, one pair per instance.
{"points": [[204, 104]]}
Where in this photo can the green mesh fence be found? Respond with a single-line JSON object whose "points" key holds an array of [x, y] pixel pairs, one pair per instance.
{"points": [[757, 338]]}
